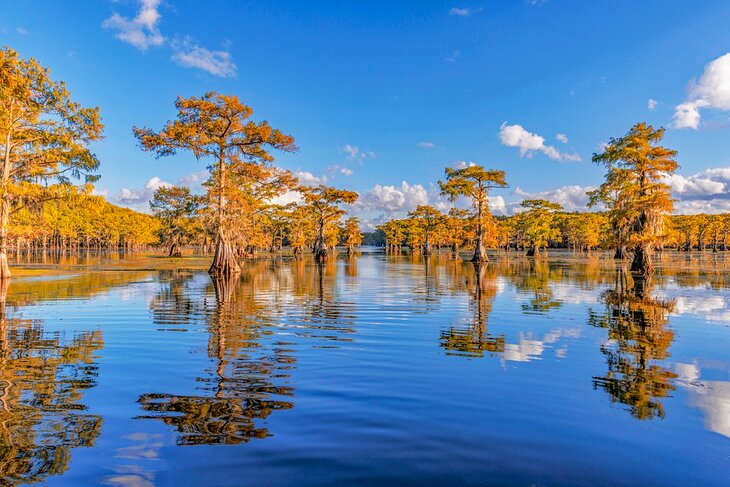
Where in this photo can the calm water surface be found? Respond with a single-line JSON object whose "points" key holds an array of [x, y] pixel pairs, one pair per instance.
{"points": [[369, 370]]}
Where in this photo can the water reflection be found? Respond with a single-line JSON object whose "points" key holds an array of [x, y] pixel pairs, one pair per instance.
{"points": [[247, 382], [42, 380], [480, 281], [637, 346]]}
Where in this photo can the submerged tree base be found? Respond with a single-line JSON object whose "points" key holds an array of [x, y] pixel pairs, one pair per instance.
{"points": [[224, 260], [642, 264]]}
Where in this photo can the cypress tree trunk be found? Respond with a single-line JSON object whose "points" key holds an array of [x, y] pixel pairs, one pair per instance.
{"points": [[620, 253], [642, 263], [224, 260], [480, 253]]}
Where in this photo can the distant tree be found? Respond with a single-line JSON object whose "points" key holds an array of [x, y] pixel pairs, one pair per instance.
{"points": [[352, 234], [634, 193], [536, 224], [474, 182], [323, 204], [429, 219], [44, 138], [218, 128], [176, 208]]}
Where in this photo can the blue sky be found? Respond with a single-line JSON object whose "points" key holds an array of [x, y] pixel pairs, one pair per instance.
{"points": [[381, 96]]}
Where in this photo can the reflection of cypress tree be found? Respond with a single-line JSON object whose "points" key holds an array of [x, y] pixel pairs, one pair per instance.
{"points": [[474, 340], [639, 340], [242, 390], [536, 280], [42, 379]]}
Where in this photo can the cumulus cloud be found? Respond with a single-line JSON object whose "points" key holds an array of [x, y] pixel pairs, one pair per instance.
{"points": [[392, 199], [561, 138], [191, 55], [529, 143], [139, 198], [347, 171], [571, 198], [461, 12], [426, 145], [704, 192], [142, 30], [306, 178], [711, 90], [651, 104]]}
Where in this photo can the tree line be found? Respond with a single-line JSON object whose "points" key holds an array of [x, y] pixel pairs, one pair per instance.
{"points": [[47, 171]]}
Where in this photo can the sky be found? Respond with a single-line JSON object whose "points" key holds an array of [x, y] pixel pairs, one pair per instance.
{"points": [[382, 96]]}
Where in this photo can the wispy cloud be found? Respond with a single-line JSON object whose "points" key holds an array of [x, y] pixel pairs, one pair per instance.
{"points": [[426, 145], [529, 143], [21, 30], [217, 63], [353, 153], [461, 12], [561, 138], [454, 57], [142, 31], [651, 104]]}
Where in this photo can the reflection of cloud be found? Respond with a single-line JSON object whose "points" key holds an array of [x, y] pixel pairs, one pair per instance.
{"points": [[710, 396], [713, 308], [529, 348]]}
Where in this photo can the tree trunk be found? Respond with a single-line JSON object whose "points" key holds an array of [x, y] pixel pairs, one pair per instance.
{"points": [[620, 253], [224, 260], [320, 249], [533, 251], [480, 253], [642, 261], [5, 213], [175, 251]]}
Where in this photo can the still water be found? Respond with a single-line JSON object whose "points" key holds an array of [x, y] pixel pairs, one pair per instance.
{"points": [[370, 370]]}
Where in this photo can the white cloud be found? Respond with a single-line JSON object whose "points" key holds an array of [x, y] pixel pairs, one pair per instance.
{"points": [[391, 199], [217, 63], [697, 185], [462, 164], [139, 198], [426, 145], [651, 104], [141, 31], [528, 143], [571, 198], [561, 138], [346, 171], [308, 179], [461, 12], [354, 153], [712, 90], [21, 30], [704, 192]]}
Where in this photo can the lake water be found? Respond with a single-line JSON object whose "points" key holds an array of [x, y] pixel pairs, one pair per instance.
{"points": [[372, 370]]}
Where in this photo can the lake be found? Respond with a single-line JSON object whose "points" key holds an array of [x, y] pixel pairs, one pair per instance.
{"points": [[376, 369]]}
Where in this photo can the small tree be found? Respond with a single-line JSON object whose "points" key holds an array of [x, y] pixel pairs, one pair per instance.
{"points": [[474, 182], [218, 128], [537, 225], [430, 220], [352, 234], [44, 138], [323, 205], [176, 208], [635, 194]]}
